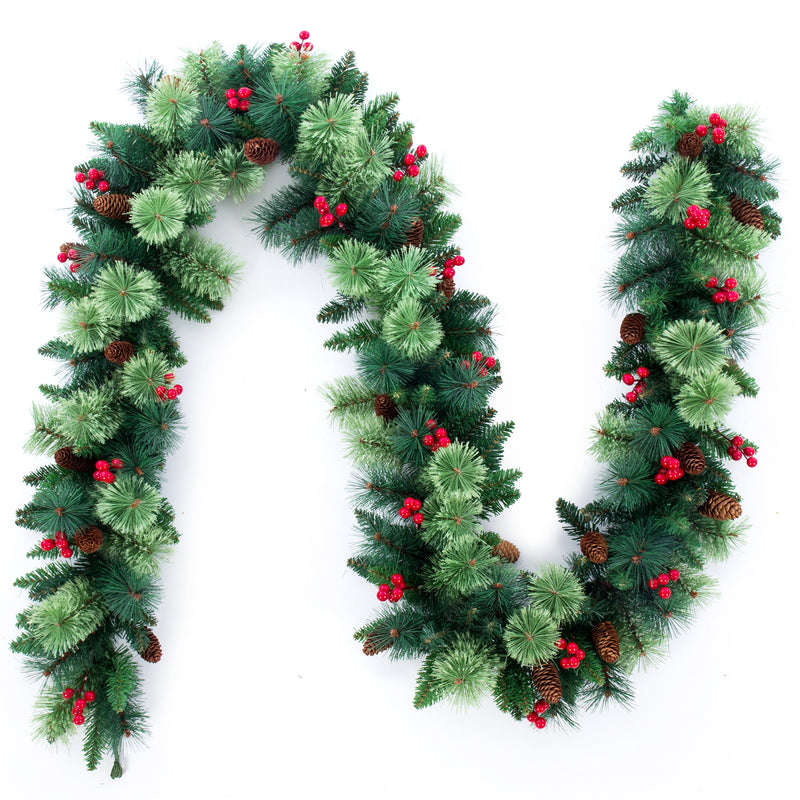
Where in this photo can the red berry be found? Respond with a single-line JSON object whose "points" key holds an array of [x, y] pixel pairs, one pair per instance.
{"points": [[422, 151], [90, 185], [738, 441], [304, 35], [244, 91], [295, 45], [730, 283], [233, 103], [384, 587], [80, 177], [631, 397], [60, 538], [723, 122], [409, 502], [101, 464], [396, 594], [178, 388], [419, 519], [443, 441], [117, 463], [320, 203], [89, 696], [749, 451], [628, 379], [440, 432], [398, 175], [718, 135], [565, 662], [643, 372], [78, 719], [715, 118], [673, 474], [661, 478], [427, 440], [561, 644], [665, 592], [701, 130], [80, 704], [735, 453], [171, 394], [540, 723], [752, 461], [404, 512], [541, 706], [674, 574], [532, 716], [93, 174], [244, 105], [574, 662], [72, 254], [653, 583], [62, 257], [408, 159], [689, 223], [451, 262], [74, 267], [397, 580], [490, 361], [477, 355], [326, 220], [732, 296], [720, 297], [459, 261], [413, 171], [580, 655], [230, 93], [666, 461], [67, 693], [66, 552], [572, 648], [434, 448], [48, 544], [383, 595], [341, 209], [711, 283], [448, 272], [663, 579]]}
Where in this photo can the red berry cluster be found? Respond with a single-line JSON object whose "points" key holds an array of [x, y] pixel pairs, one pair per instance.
{"points": [[411, 508], [477, 358], [60, 542], [660, 583], [574, 654], [395, 593], [410, 163], [449, 271], [639, 386], [239, 99], [71, 255], [718, 124], [696, 217], [303, 44], [437, 439], [93, 179], [727, 296], [103, 470], [670, 470], [80, 703], [534, 716], [326, 219], [169, 394], [736, 453]]}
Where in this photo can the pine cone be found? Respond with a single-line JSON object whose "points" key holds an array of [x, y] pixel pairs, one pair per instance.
{"points": [[261, 151], [720, 506], [506, 550], [372, 644], [152, 652], [385, 407], [606, 641], [693, 462], [631, 331], [66, 459], [447, 286], [414, 238], [690, 145], [547, 682], [119, 352], [595, 547], [113, 206], [745, 212], [89, 540]]}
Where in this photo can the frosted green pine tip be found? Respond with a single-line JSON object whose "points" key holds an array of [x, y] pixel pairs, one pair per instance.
{"points": [[680, 183], [126, 294], [195, 178], [466, 672], [706, 400], [170, 106], [457, 469], [530, 636], [158, 214], [692, 347], [86, 327], [354, 267], [412, 329], [129, 505], [556, 592], [141, 375]]}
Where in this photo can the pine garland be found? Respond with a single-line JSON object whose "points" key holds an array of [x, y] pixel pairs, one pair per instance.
{"points": [[415, 414]]}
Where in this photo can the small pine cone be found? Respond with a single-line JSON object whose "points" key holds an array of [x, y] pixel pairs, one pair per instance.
{"points": [[631, 331], [547, 682], [385, 407], [152, 652], [119, 352], [595, 547], [693, 462], [606, 641], [506, 550], [414, 238], [372, 644], [720, 506], [745, 212], [690, 145], [66, 459], [447, 286], [261, 151], [89, 540], [113, 206]]}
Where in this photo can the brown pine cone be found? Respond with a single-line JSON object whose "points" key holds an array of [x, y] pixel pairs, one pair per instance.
{"points": [[385, 407], [720, 506], [66, 459], [152, 651], [415, 233], [631, 331], [261, 151], [690, 145], [447, 286], [745, 212], [595, 547], [119, 352], [506, 550], [113, 206], [547, 682], [606, 641], [693, 462], [375, 643], [89, 540]]}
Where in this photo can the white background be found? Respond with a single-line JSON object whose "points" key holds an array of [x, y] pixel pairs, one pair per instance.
{"points": [[262, 691]]}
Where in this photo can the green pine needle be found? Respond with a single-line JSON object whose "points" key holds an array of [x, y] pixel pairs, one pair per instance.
{"points": [[240, 176], [195, 178], [692, 347], [354, 267], [466, 672], [89, 417], [406, 274], [530, 636], [457, 470], [86, 327], [706, 400], [680, 183], [141, 375], [558, 593], [170, 106], [158, 214], [129, 505], [125, 294], [413, 330]]}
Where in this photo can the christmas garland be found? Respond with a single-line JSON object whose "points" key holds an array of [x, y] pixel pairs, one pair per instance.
{"points": [[426, 443]]}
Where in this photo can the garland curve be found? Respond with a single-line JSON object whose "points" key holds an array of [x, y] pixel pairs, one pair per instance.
{"points": [[426, 443]]}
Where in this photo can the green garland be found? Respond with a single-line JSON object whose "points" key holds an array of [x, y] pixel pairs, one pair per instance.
{"points": [[426, 443]]}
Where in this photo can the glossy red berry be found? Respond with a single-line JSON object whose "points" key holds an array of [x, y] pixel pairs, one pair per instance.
{"points": [[101, 464], [718, 135], [409, 502], [89, 696], [737, 441], [233, 103], [404, 512], [459, 261], [628, 379], [541, 706], [490, 362], [735, 453], [62, 257], [715, 118], [61, 540], [661, 478], [326, 220], [712, 283], [408, 159], [67, 693], [642, 372], [730, 283], [561, 644], [532, 716], [48, 544], [572, 648], [398, 175], [178, 388], [580, 655], [244, 105], [419, 519], [320, 203], [448, 272], [341, 209], [80, 177], [78, 719], [230, 93], [422, 151], [397, 580], [396, 594], [443, 441], [304, 35], [413, 171], [66, 552], [80, 704], [383, 595], [732, 296], [663, 579], [477, 355], [749, 451], [72, 254], [93, 174], [564, 662], [540, 722], [117, 463], [674, 574], [689, 224], [701, 130], [171, 394], [440, 432], [631, 397], [574, 662], [752, 461], [90, 184], [427, 440], [719, 297], [653, 583], [244, 92], [665, 592]]}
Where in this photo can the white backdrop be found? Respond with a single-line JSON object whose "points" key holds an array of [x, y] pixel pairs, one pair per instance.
{"points": [[262, 691]]}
